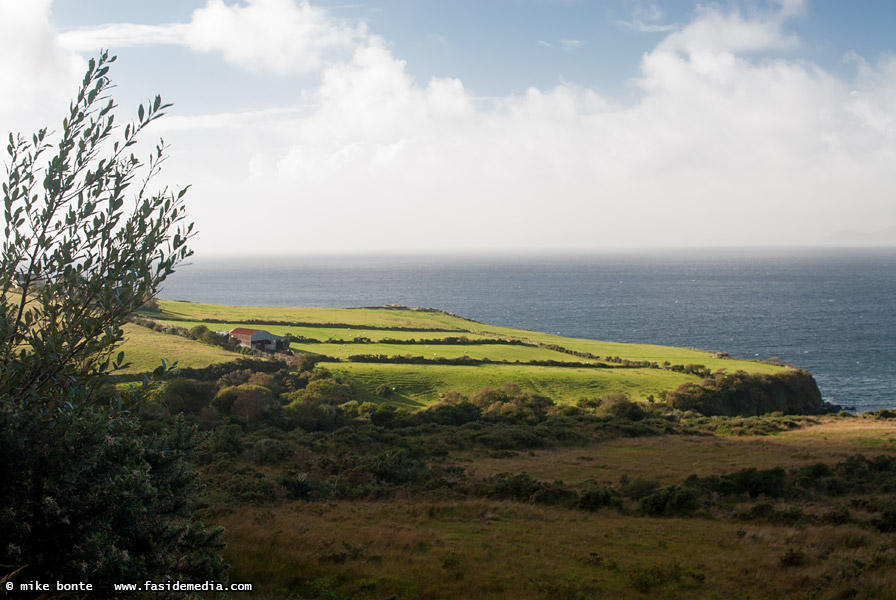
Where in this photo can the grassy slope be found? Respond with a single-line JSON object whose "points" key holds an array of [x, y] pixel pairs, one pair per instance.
{"points": [[327, 333], [420, 385], [145, 349], [192, 311]]}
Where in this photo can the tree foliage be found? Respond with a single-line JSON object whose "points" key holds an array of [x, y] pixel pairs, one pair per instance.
{"points": [[90, 493], [74, 263]]}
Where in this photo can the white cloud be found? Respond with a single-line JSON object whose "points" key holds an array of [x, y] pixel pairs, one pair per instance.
{"points": [[720, 149], [278, 36], [715, 31], [119, 35], [639, 26], [282, 37], [37, 71], [650, 13], [723, 146], [791, 8]]}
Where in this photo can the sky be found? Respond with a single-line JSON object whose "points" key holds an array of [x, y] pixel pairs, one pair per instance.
{"points": [[401, 126]]}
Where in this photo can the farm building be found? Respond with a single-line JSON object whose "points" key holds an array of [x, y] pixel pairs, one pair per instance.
{"points": [[259, 339]]}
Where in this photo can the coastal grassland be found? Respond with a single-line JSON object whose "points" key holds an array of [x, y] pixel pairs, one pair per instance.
{"points": [[442, 543], [648, 352], [330, 333], [423, 385], [494, 352], [145, 349], [280, 319], [370, 317]]}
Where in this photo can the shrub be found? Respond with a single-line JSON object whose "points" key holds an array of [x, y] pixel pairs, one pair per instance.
{"points": [[595, 498], [224, 399], [767, 482], [792, 558], [398, 466], [791, 392], [322, 390], [670, 502], [637, 488], [226, 439], [384, 416], [622, 407], [252, 403], [268, 451], [887, 520], [182, 395], [197, 331], [452, 414], [296, 485], [555, 493], [507, 486]]}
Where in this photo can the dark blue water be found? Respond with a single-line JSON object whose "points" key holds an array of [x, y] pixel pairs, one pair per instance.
{"points": [[828, 311]]}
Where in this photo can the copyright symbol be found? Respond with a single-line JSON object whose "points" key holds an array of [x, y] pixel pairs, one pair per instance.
{"points": [[9, 585]]}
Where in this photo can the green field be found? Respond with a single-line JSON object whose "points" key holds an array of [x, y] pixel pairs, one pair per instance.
{"points": [[329, 333], [145, 349], [423, 384], [376, 317]]}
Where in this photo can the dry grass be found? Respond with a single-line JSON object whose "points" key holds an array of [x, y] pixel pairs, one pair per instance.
{"points": [[435, 546], [670, 459], [481, 549]]}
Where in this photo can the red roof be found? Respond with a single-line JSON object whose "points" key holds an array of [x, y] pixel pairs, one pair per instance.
{"points": [[242, 331]]}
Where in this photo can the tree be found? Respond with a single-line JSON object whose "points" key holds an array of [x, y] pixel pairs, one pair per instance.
{"points": [[89, 492]]}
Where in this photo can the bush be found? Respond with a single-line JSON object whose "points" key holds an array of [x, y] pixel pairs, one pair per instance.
{"points": [[887, 520], [555, 493], [792, 558], [182, 395], [670, 502], [253, 403], [322, 390], [622, 407], [452, 414], [296, 485], [226, 439], [742, 394], [398, 466], [595, 498], [638, 488], [507, 486], [268, 451], [384, 416], [767, 482], [100, 500]]}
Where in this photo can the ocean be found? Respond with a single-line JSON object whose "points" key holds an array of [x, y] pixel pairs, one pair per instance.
{"points": [[830, 311]]}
